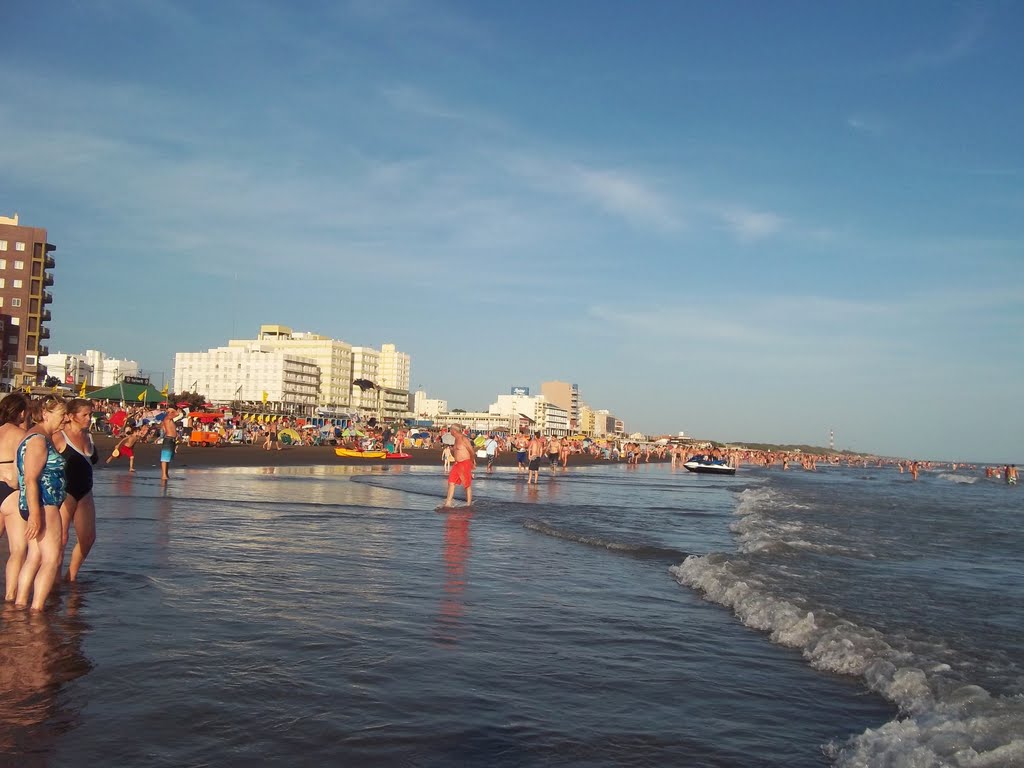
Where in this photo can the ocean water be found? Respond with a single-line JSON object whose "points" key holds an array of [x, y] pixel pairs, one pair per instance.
{"points": [[612, 616]]}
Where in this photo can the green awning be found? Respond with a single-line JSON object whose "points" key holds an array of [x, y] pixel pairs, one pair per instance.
{"points": [[129, 393]]}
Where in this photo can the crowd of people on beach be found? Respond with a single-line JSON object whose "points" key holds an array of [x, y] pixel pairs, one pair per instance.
{"points": [[47, 456]]}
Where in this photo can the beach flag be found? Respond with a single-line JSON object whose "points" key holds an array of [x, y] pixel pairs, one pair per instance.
{"points": [[163, 391], [81, 391], [265, 396], [28, 390], [142, 396]]}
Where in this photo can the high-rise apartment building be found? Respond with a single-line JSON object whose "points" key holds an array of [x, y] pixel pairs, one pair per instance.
{"points": [[24, 263], [387, 370], [564, 395], [365, 365], [393, 368]]}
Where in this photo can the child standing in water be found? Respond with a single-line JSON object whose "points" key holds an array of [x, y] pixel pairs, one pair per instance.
{"points": [[447, 457]]}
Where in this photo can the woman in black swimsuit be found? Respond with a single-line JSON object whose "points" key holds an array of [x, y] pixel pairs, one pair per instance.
{"points": [[75, 444], [13, 424]]}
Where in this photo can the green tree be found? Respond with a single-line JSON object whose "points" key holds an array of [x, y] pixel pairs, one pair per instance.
{"points": [[194, 400]]}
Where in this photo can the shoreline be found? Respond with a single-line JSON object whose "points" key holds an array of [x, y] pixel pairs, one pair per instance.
{"points": [[148, 454]]}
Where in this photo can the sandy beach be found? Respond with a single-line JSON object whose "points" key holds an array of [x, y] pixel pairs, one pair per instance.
{"points": [[290, 456]]}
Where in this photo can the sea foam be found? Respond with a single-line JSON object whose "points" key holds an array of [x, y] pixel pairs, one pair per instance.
{"points": [[942, 723]]}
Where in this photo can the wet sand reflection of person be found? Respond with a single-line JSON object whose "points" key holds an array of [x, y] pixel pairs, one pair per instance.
{"points": [[456, 553], [40, 654]]}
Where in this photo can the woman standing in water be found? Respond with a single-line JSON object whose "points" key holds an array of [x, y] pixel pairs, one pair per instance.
{"points": [[42, 481], [13, 424], [76, 446]]}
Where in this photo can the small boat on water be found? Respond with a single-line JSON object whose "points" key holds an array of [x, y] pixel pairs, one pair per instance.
{"points": [[348, 453], [709, 465]]}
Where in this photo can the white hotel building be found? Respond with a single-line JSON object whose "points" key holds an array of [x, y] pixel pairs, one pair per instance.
{"points": [[333, 357], [387, 370], [227, 374], [548, 418]]}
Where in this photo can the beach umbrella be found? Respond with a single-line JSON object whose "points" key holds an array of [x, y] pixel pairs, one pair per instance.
{"points": [[289, 435], [448, 439]]}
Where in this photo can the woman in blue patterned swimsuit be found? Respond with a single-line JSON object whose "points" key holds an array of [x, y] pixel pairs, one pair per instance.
{"points": [[43, 484]]}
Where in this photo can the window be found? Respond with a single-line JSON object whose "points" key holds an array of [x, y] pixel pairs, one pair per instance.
{"points": [[19, 264], [3, 262], [16, 284], [15, 302], [12, 341], [1, 301], [15, 321], [30, 360], [19, 246], [3, 283], [3, 245]]}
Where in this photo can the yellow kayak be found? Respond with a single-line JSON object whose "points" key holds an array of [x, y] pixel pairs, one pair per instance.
{"points": [[348, 453]]}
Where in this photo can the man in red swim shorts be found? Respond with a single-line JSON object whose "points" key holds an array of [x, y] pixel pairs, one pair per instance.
{"points": [[462, 470]]}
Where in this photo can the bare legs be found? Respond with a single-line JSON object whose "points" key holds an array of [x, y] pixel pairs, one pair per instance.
{"points": [[16, 544], [449, 500], [83, 514], [40, 570]]}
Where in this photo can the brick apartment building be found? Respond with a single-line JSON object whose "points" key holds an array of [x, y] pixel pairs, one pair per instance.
{"points": [[25, 262]]}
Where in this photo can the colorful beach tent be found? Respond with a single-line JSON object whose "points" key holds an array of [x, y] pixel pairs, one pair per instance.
{"points": [[129, 393]]}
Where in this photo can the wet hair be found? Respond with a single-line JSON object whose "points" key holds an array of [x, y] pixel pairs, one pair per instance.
{"points": [[41, 406], [13, 408]]}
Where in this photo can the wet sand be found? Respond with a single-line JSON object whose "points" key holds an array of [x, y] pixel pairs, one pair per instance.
{"points": [[291, 456]]}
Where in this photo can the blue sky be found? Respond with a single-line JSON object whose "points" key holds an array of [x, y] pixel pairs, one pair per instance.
{"points": [[745, 221]]}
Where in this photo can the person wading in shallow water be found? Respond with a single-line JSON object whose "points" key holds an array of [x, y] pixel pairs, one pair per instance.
{"points": [[76, 446], [169, 431], [462, 471]]}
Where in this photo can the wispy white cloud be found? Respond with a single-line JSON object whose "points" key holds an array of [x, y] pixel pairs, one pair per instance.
{"points": [[749, 226], [624, 194], [792, 329], [963, 43]]}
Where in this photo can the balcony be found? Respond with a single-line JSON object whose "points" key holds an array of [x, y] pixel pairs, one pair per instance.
{"points": [[45, 317], [44, 333], [43, 351], [47, 298], [47, 278], [48, 262]]}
